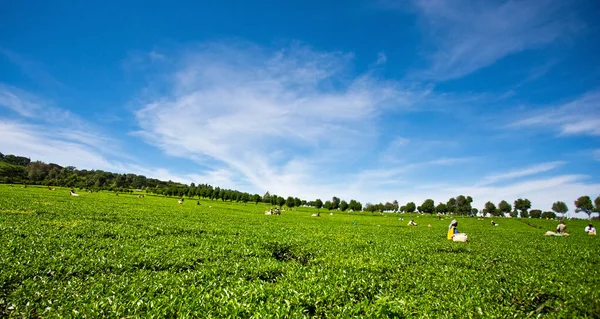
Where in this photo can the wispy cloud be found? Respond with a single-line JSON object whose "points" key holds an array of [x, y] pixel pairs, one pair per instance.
{"points": [[514, 174], [282, 119], [381, 58], [578, 117], [469, 35], [33, 69]]}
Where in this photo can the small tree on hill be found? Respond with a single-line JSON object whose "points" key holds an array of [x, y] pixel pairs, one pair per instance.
{"points": [[344, 206], [489, 208], [318, 204], [411, 207], [523, 205], [327, 205], [584, 204], [428, 206], [560, 208], [441, 208], [535, 213], [335, 203], [290, 202], [504, 208]]}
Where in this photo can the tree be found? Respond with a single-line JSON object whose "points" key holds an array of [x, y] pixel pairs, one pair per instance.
{"points": [[535, 213], [290, 202], [523, 205], [474, 211], [560, 208], [584, 204], [318, 204], [451, 205], [297, 202], [463, 205], [441, 208], [504, 208], [395, 203], [370, 207], [428, 206], [403, 209], [280, 201], [354, 205], [266, 197], [335, 203], [256, 199], [410, 207], [344, 206], [489, 208], [327, 205]]}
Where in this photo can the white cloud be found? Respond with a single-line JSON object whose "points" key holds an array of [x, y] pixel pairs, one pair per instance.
{"points": [[532, 170], [469, 35], [281, 120], [14, 100], [578, 117], [381, 58]]}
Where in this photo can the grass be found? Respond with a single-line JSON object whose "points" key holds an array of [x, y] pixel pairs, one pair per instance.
{"points": [[101, 255]]}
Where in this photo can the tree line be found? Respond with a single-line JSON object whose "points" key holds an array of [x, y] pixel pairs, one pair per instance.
{"points": [[20, 169]]}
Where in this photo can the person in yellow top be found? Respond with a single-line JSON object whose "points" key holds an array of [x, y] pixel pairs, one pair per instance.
{"points": [[452, 229]]}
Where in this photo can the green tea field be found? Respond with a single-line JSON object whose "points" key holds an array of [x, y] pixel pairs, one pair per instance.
{"points": [[101, 255]]}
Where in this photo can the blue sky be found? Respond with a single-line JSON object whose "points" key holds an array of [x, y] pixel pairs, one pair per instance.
{"points": [[367, 100]]}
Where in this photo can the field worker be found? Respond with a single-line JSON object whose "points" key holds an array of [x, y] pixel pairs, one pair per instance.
{"points": [[561, 227], [590, 230], [412, 223], [452, 229], [494, 223]]}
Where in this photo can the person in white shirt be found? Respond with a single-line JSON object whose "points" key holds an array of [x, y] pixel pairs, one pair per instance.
{"points": [[590, 230]]}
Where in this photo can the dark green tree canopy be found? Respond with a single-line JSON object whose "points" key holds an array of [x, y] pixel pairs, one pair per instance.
{"points": [[584, 204], [560, 208], [428, 206], [523, 205], [489, 208]]}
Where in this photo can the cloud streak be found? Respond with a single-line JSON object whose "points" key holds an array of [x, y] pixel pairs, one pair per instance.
{"points": [[470, 35], [532, 170], [578, 117]]}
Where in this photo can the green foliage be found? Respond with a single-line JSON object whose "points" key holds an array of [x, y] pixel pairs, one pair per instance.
{"points": [[441, 208], [318, 204], [410, 207], [335, 203], [428, 206], [548, 215], [490, 208], [103, 256], [535, 213], [560, 208], [523, 205], [504, 208], [290, 202], [584, 204], [344, 206]]}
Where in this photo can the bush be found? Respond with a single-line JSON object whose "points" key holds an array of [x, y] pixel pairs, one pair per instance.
{"points": [[550, 215]]}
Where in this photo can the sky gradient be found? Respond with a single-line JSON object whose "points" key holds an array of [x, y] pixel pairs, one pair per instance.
{"points": [[369, 100]]}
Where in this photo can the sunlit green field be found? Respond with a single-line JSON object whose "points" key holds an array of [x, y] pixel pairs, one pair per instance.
{"points": [[101, 255]]}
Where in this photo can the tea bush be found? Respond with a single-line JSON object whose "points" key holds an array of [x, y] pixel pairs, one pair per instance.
{"points": [[101, 255]]}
